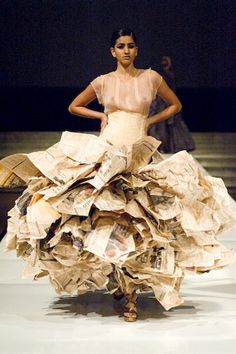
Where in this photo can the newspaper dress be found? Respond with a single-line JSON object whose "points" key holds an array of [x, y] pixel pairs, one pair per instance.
{"points": [[109, 211]]}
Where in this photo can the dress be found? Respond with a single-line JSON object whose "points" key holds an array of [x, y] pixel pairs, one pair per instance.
{"points": [[109, 211], [173, 132]]}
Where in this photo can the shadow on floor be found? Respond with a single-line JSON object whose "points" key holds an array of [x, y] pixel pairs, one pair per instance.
{"points": [[104, 305]]}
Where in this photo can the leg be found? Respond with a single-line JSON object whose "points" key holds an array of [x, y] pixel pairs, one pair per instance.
{"points": [[130, 310]]}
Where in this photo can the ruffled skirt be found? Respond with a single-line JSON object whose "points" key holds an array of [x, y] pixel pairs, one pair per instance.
{"points": [[101, 216]]}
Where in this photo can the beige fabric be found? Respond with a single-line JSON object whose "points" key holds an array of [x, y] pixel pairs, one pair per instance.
{"points": [[124, 128], [119, 216], [133, 95]]}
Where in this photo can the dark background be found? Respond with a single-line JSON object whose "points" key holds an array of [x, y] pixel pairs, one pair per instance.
{"points": [[51, 49]]}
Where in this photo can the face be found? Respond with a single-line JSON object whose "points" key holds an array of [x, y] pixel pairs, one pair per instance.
{"points": [[125, 50], [166, 62]]}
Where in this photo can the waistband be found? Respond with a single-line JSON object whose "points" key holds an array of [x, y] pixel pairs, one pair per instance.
{"points": [[126, 114]]}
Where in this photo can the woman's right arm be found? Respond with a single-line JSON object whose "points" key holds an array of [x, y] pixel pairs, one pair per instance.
{"points": [[78, 106]]}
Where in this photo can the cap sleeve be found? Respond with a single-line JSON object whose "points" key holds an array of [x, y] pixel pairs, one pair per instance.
{"points": [[156, 80], [98, 87]]}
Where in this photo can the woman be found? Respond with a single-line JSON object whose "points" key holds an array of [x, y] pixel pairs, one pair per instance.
{"points": [[173, 132], [109, 212], [125, 50]]}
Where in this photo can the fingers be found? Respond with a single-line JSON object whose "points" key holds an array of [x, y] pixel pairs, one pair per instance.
{"points": [[103, 125], [104, 122]]}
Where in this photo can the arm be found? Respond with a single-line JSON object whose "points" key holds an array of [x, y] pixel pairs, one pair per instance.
{"points": [[174, 105], [78, 106]]}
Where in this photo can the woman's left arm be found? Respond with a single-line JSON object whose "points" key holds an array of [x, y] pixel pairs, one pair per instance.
{"points": [[174, 105]]}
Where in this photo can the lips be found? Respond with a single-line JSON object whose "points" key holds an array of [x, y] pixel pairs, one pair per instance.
{"points": [[126, 56]]}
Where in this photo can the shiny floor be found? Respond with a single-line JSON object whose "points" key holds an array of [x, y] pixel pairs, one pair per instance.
{"points": [[34, 319]]}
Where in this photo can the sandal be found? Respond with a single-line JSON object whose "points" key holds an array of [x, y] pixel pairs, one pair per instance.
{"points": [[130, 310]]}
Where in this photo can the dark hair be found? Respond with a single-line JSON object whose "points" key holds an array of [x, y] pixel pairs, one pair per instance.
{"points": [[122, 32]]}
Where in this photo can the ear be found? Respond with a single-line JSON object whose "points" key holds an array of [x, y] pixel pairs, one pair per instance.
{"points": [[136, 51], [113, 52]]}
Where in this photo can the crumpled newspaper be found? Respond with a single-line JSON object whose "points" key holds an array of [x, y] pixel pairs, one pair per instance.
{"points": [[97, 216]]}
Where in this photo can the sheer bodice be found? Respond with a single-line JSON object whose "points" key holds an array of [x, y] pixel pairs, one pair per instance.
{"points": [[132, 95]]}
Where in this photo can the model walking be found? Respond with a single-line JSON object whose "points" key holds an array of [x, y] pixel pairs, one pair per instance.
{"points": [[109, 212]]}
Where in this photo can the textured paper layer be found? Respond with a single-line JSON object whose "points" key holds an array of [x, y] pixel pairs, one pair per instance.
{"points": [[99, 216]]}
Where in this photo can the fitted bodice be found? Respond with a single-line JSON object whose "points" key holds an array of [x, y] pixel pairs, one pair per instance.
{"points": [[124, 128], [132, 95]]}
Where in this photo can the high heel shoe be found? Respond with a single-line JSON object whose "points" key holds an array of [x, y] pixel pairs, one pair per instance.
{"points": [[130, 310]]}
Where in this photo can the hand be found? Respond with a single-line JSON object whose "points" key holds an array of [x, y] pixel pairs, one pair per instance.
{"points": [[104, 121]]}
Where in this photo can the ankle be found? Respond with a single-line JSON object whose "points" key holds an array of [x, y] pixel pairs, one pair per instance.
{"points": [[130, 310]]}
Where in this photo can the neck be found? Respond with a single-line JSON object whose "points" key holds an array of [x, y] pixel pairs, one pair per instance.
{"points": [[129, 70]]}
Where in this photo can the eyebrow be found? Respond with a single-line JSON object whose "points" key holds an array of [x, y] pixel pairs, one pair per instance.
{"points": [[125, 43]]}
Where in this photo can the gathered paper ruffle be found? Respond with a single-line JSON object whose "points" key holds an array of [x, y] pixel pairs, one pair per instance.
{"points": [[97, 216]]}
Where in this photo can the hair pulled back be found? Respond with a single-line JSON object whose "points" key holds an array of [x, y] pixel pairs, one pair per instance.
{"points": [[122, 32]]}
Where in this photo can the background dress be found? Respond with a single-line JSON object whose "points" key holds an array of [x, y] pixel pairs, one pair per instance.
{"points": [[173, 132], [110, 212]]}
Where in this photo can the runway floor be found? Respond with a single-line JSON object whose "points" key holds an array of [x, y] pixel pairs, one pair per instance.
{"points": [[34, 319]]}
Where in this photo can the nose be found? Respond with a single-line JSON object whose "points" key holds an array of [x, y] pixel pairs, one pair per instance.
{"points": [[127, 50]]}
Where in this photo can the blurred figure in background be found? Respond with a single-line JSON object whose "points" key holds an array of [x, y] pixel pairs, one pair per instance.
{"points": [[173, 132]]}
